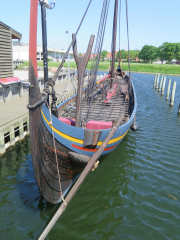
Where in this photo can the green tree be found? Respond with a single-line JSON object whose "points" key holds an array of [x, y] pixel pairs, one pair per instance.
{"points": [[169, 51], [160, 51], [122, 55], [103, 54], [148, 53], [177, 51]]}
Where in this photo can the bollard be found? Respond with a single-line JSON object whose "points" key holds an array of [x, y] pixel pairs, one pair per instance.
{"points": [[163, 86], [160, 85], [155, 80], [173, 94], [168, 90]]}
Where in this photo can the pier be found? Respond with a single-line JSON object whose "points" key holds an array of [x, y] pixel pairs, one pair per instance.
{"points": [[14, 117]]}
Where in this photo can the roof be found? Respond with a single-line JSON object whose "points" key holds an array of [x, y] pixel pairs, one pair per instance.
{"points": [[15, 34]]}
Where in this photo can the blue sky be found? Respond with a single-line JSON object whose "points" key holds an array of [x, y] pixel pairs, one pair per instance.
{"points": [[151, 22]]}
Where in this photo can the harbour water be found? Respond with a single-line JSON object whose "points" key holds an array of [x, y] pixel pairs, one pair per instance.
{"points": [[133, 194]]}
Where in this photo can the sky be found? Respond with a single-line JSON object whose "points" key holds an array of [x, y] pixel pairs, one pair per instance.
{"points": [[151, 22]]}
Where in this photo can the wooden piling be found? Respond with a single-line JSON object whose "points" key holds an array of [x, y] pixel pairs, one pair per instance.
{"points": [[160, 85], [163, 86], [157, 82], [168, 89], [173, 93], [179, 109]]}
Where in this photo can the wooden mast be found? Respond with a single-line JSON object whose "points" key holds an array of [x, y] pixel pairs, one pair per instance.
{"points": [[33, 36], [114, 40]]}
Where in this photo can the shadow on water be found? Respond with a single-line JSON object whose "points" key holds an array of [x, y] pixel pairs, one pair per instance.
{"points": [[96, 209], [21, 205], [25, 213]]}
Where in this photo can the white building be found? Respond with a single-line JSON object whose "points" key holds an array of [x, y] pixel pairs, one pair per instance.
{"points": [[21, 52]]}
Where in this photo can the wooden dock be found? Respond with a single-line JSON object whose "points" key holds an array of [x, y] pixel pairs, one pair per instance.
{"points": [[14, 115]]}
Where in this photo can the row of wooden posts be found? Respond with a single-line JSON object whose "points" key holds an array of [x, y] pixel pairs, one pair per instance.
{"points": [[159, 84]]}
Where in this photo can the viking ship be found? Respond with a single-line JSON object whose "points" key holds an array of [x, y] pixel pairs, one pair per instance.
{"points": [[64, 137]]}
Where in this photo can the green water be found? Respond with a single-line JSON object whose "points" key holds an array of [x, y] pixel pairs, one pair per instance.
{"points": [[133, 194]]}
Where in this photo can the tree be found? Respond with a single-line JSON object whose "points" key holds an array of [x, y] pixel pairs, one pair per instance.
{"points": [[161, 53], [177, 51], [122, 55], [167, 51], [103, 54], [148, 53]]}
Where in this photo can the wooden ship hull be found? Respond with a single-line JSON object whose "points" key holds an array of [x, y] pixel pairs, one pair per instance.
{"points": [[60, 149], [74, 146]]}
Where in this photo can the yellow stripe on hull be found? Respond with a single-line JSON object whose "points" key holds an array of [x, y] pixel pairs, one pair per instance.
{"points": [[76, 140]]}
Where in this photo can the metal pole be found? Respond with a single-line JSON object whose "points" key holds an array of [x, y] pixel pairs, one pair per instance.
{"points": [[68, 55], [173, 94], [163, 87], [59, 52], [55, 50], [65, 56], [168, 90], [44, 40]]}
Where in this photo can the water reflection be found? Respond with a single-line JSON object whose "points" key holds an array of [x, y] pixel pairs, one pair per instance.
{"points": [[133, 194]]}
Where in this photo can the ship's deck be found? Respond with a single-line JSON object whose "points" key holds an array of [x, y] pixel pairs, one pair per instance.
{"points": [[118, 104]]}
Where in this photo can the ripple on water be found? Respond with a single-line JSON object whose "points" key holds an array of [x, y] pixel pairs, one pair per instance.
{"points": [[133, 194]]}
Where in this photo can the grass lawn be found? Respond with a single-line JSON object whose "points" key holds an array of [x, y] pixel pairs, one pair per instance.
{"points": [[135, 67]]}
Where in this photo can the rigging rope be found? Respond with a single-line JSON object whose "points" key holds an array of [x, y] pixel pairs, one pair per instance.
{"points": [[97, 55], [119, 29], [141, 82], [128, 38], [72, 42]]}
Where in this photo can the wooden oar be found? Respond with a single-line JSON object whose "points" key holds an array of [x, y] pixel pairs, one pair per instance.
{"points": [[82, 177]]}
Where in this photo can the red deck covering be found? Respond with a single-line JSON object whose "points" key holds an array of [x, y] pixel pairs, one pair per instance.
{"points": [[68, 121], [10, 80], [96, 125], [110, 94]]}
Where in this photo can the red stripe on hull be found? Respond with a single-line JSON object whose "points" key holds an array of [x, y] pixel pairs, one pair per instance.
{"points": [[91, 150]]}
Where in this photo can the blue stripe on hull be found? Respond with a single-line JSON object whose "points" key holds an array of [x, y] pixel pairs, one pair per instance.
{"points": [[68, 135]]}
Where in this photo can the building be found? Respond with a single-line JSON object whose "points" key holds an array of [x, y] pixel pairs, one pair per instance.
{"points": [[6, 60], [21, 52]]}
